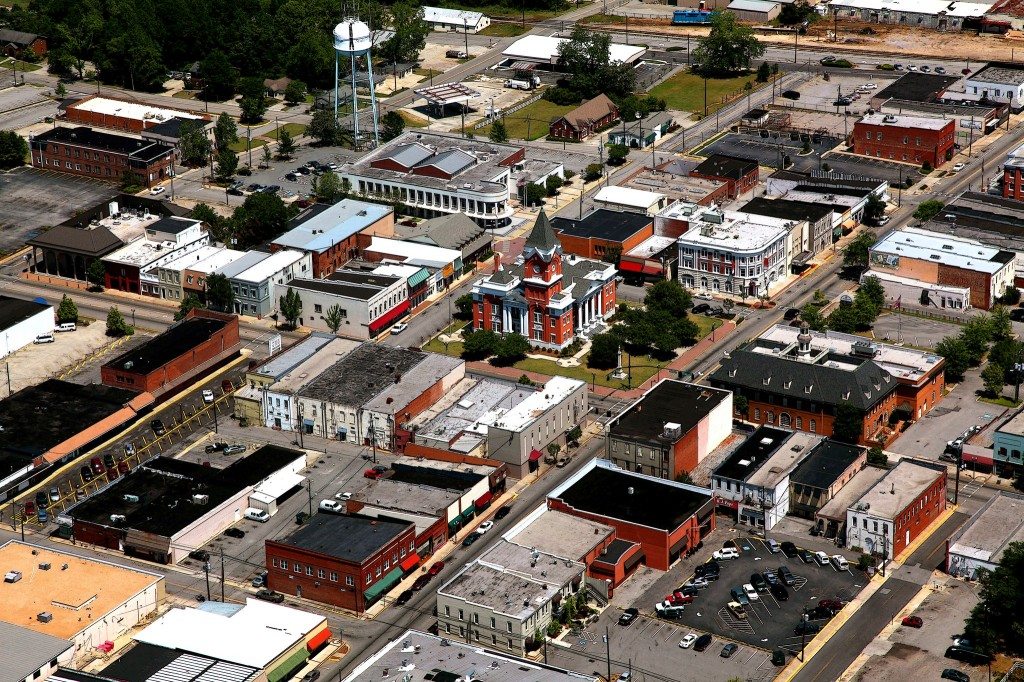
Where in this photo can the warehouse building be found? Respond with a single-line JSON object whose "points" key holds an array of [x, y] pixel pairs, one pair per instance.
{"points": [[22, 321], [29, 655], [983, 540]]}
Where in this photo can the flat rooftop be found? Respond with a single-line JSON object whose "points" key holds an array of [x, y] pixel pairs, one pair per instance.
{"points": [[915, 86], [414, 498], [724, 166], [133, 110], [753, 453], [464, 411], [676, 186], [545, 49], [900, 486], [603, 489], [998, 72], [333, 225], [458, 477], [348, 537], [781, 463], [560, 534], [604, 224], [413, 252], [989, 532], [434, 368], [905, 121], [284, 361], [165, 488], [787, 209], [141, 252], [135, 148], [449, 660], [314, 365], [358, 292], [849, 494], [16, 310], [966, 254], [362, 374], [628, 196], [992, 220], [270, 266], [825, 463], [1014, 425], [535, 405], [904, 363], [669, 401], [500, 591], [734, 231], [531, 563], [173, 343], [74, 589], [149, 663]]}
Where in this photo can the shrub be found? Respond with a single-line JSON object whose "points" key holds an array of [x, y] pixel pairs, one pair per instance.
{"points": [[592, 172], [865, 561], [563, 96]]}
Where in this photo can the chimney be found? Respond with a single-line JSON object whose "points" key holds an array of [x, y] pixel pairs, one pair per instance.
{"points": [[497, 261]]}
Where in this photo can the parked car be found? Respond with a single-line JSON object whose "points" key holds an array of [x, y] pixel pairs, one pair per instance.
{"points": [[728, 650], [770, 577], [806, 556], [291, 177], [807, 627], [955, 675], [372, 474], [820, 613], [959, 166], [65, 327], [404, 597], [236, 449], [199, 555], [332, 506], [701, 308], [710, 570], [751, 593], [257, 515], [399, 328], [839, 562], [86, 473], [786, 576], [207, 396], [108, 461], [44, 338], [484, 527], [456, 54], [159, 189], [833, 604], [687, 641], [436, 568], [940, 69], [30, 508], [669, 612], [158, 427], [471, 538], [343, 497], [698, 583], [270, 595], [925, 68], [703, 642], [122, 466], [780, 593], [740, 595], [679, 599], [235, 533], [726, 553], [822, 558], [912, 621], [97, 466], [791, 94], [758, 582], [42, 515], [969, 656], [215, 447], [421, 582], [502, 513], [788, 548], [42, 500], [54, 494], [737, 610], [628, 616]]}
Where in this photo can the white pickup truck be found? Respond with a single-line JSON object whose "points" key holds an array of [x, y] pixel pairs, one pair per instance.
{"points": [[523, 84]]}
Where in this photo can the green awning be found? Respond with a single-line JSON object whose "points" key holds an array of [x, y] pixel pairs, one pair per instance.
{"points": [[419, 278], [467, 514], [383, 585], [288, 666], [453, 524]]}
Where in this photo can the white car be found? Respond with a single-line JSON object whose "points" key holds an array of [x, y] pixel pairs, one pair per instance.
{"points": [[726, 553], [257, 514], [773, 546], [869, 86], [822, 558], [687, 641], [485, 526], [911, 67], [751, 593], [207, 396], [399, 328], [959, 166], [840, 563], [343, 496], [699, 583], [159, 189], [332, 506]]}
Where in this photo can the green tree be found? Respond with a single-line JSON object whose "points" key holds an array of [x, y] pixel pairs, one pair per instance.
{"points": [[1011, 296], [189, 303], [323, 127], [593, 172], [219, 295], [811, 314], [132, 59], [295, 92], [848, 426], [604, 351], [685, 330], [67, 311], [976, 335], [480, 344], [498, 132], [116, 325], [285, 144], [617, 154], [797, 13], [585, 58], [225, 132], [954, 350], [392, 125], [552, 185], [60, 91], [290, 306], [740, 404], [327, 188], [999, 323], [333, 318], [13, 149], [261, 218], [728, 47], [928, 209], [96, 273], [684, 477], [994, 624], [219, 78], [254, 100], [227, 163], [994, 377], [856, 252], [267, 155], [874, 208], [193, 144], [511, 348], [845, 319], [410, 33], [464, 305], [215, 224], [670, 297], [764, 72], [535, 194], [878, 458]]}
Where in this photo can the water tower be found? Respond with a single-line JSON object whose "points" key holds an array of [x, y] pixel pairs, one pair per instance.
{"points": [[352, 39]]}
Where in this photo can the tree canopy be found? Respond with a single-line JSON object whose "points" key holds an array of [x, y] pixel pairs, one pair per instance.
{"points": [[728, 47], [13, 149], [585, 56], [994, 623]]}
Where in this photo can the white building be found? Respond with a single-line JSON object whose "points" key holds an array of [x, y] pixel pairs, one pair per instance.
{"points": [[520, 436], [544, 49], [629, 199], [444, 19], [257, 279], [939, 14], [981, 542], [367, 303], [278, 399], [998, 82], [166, 240], [733, 253], [444, 265], [21, 322], [500, 600]]}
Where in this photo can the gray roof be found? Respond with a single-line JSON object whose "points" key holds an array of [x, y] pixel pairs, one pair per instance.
{"points": [[235, 268], [502, 276], [449, 231], [451, 161], [861, 384], [542, 236], [17, 37], [397, 396], [26, 651], [364, 373], [410, 155], [284, 362], [97, 241], [349, 537]]}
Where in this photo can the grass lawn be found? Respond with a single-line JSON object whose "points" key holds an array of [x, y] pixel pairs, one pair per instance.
{"points": [[22, 66], [643, 368], [705, 324], [186, 94], [503, 30], [531, 122], [294, 129], [1002, 401], [239, 145], [411, 120], [600, 18], [685, 91], [426, 73], [15, 3]]}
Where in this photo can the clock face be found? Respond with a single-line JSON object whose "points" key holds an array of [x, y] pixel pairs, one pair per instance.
{"points": [[536, 268]]}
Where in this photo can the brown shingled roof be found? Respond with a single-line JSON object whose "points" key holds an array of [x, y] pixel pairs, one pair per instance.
{"points": [[591, 110]]}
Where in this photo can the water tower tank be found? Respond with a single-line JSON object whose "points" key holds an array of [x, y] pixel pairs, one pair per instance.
{"points": [[352, 37]]}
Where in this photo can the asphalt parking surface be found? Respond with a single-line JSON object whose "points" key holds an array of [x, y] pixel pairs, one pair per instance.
{"points": [[769, 623], [32, 198], [768, 151], [865, 166]]}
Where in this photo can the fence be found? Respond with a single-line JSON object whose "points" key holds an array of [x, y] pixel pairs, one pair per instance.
{"points": [[505, 112]]}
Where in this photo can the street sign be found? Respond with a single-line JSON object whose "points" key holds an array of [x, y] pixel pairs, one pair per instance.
{"points": [[274, 343]]}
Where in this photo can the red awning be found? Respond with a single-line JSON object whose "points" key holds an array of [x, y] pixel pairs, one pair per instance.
{"points": [[630, 266], [484, 500], [535, 455], [410, 562], [977, 459], [318, 640], [390, 316]]}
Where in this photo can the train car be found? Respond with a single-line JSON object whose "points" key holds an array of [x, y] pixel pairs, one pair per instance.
{"points": [[690, 17]]}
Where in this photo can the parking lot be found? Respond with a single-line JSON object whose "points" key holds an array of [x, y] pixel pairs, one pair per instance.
{"points": [[854, 164], [821, 95], [31, 199], [769, 151]]}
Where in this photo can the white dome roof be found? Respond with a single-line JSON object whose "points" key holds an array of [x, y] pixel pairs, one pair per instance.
{"points": [[352, 36]]}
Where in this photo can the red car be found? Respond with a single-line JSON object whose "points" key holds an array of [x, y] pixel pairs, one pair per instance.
{"points": [[122, 467], [678, 599], [912, 621], [30, 508], [97, 466], [421, 582], [436, 568], [833, 604], [372, 474]]}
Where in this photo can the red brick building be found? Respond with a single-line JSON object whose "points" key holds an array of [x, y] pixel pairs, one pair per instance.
{"points": [[1013, 175], [538, 303], [131, 117], [739, 175], [586, 119], [15, 43], [912, 139], [99, 155], [196, 343], [345, 560], [603, 233], [665, 518]]}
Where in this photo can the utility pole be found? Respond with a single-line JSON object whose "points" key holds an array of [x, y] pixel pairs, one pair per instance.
{"points": [[309, 492], [608, 652], [803, 634], [465, 24], [222, 574], [206, 570]]}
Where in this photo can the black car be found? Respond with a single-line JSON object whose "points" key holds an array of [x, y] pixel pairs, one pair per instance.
{"points": [[828, 59], [86, 474], [728, 650], [758, 582], [1017, 314], [235, 533], [955, 675], [791, 94], [807, 627], [109, 462], [270, 595], [771, 578], [969, 656], [502, 513], [215, 447], [235, 191], [702, 643], [272, 189], [789, 549], [780, 593], [687, 590], [786, 576], [158, 427], [254, 187], [471, 538], [820, 613], [311, 676], [302, 170], [711, 570], [291, 177], [806, 556], [628, 616], [199, 555], [778, 657], [791, 314], [701, 308], [842, 102], [404, 597]]}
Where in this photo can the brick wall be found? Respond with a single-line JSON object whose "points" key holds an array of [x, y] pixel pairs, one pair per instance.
{"points": [[901, 143], [920, 514], [979, 283]]}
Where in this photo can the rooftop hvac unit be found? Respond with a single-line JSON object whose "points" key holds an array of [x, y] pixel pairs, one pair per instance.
{"points": [[44, 566], [12, 576], [44, 617], [117, 518], [672, 430], [200, 499]]}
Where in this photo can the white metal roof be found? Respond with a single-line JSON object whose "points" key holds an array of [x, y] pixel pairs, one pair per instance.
{"points": [[268, 267], [253, 636], [951, 9], [903, 121], [133, 110], [415, 253], [966, 254], [279, 483], [627, 196], [752, 6], [534, 406], [545, 48], [444, 15]]}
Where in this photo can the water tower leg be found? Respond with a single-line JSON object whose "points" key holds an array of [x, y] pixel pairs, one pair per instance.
{"points": [[336, 87], [373, 101], [355, 105]]}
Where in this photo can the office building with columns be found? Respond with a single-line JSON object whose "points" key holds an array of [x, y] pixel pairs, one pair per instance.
{"points": [[552, 300]]}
